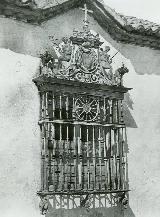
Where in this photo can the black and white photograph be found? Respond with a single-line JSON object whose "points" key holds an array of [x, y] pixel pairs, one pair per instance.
{"points": [[79, 108]]}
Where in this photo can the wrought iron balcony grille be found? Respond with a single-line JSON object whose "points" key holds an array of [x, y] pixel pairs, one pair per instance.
{"points": [[83, 134], [83, 142]]}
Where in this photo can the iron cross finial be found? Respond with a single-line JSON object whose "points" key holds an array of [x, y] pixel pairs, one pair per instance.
{"points": [[85, 9]]}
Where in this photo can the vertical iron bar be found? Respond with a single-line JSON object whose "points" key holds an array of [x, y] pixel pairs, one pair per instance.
{"points": [[115, 158], [105, 159], [120, 159], [88, 166], [75, 157], [73, 110], [53, 154], [104, 109], [113, 113], [94, 157], [60, 106], [46, 153], [123, 161], [117, 103], [66, 176], [40, 112], [49, 158], [67, 106], [60, 148], [53, 105], [110, 160], [126, 151], [122, 121], [80, 157], [108, 157], [110, 111], [43, 169], [100, 159], [43, 109], [46, 105]]}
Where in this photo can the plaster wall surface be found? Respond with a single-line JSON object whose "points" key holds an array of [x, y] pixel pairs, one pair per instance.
{"points": [[144, 149], [19, 111], [19, 136]]}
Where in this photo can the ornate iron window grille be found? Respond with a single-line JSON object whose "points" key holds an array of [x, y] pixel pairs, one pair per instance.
{"points": [[83, 135]]}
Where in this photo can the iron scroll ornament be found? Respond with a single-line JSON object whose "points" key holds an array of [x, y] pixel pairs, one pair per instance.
{"points": [[86, 108]]}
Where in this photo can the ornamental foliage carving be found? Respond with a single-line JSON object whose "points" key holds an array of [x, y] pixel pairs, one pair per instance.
{"points": [[82, 57]]}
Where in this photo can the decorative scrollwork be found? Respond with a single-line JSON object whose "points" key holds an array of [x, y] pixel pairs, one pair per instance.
{"points": [[120, 73], [43, 205], [86, 202], [123, 199], [86, 108], [81, 57]]}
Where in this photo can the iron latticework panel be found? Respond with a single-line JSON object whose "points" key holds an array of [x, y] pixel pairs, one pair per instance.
{"points": [[83, 141]]}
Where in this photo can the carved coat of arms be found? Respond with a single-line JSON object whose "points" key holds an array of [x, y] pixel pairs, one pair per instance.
{"points": [[86, 57]]}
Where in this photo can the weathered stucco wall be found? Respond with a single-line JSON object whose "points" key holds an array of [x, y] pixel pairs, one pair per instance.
{"points": [[144, 149], [19, 108], [19, 136]]}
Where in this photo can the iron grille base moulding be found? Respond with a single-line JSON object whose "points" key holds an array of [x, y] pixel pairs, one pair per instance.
{"points": [[44, 193]]}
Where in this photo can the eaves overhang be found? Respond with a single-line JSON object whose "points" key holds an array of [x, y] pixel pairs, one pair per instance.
{"points": [[125, 29]]}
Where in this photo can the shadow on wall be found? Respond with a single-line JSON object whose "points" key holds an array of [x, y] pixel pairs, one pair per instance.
{"points": [[82, 212], [129, 213], [127, 106], [130, 122], [95, 212]]}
